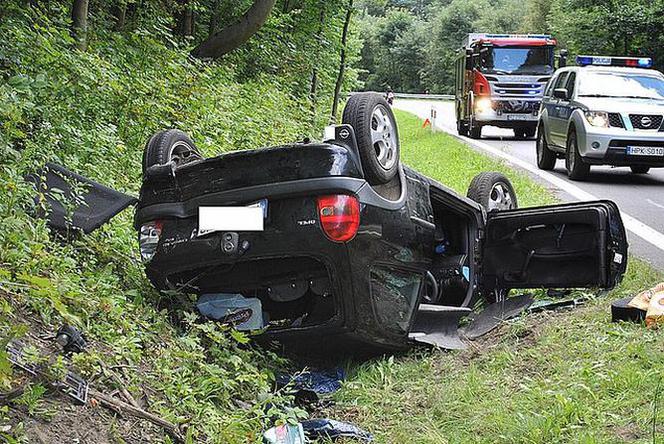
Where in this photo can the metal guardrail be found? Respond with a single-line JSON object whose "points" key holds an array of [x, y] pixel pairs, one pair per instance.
{"points": [[424, 96], [415, 96]]}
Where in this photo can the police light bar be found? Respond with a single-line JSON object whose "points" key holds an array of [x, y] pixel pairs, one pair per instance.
{"points": [[632, 62]]}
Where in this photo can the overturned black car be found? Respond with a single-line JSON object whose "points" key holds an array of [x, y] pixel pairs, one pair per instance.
{"points": [[338, 239]]}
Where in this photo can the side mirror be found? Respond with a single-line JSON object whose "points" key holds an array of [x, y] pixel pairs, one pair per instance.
{"points": [[560, 93], [562, 58]]}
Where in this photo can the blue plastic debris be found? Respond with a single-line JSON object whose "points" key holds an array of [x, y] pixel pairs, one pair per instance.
{"points": [[331, 429], [243, 313], [285, 434], [320, 382]]}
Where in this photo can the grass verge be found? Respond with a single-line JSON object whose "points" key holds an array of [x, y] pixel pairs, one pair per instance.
{"points": [[556, 377]]}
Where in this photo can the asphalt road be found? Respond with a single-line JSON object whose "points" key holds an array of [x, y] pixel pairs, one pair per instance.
{"points": [[640, 197]]}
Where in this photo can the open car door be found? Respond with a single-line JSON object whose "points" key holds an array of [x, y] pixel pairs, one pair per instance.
{"points": [[560, 246]]}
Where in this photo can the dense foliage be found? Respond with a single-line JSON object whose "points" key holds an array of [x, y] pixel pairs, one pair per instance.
{"points": [[410, 45], [93, 111]]}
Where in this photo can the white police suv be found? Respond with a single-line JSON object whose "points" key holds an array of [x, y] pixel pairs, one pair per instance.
{"points": [[604, 111]]}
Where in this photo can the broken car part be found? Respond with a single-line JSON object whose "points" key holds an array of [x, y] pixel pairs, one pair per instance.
{"points": [[75, 202], [233, 309], [316, 382], [72, 385], [332, 429], [70, 339]]}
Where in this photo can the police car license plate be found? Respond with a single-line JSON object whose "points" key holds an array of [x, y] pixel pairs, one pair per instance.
{"points": [[645, 150], [518, 116]]}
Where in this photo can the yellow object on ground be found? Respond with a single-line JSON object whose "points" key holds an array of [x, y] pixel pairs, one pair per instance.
{"points": [[652, 302]]}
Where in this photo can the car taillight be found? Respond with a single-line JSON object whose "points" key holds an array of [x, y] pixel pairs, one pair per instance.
{"points": [[339, 216], [480, 85], [148, 238]]}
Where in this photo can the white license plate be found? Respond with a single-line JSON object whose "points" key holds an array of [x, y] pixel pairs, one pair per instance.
{"points": [[645, 150], [518, 116], [246, 218]]}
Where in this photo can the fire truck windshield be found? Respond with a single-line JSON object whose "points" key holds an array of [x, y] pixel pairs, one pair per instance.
{"points": [[517, 60]]}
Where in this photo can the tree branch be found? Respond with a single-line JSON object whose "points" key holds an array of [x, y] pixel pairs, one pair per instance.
{"points": [[235, 35]]}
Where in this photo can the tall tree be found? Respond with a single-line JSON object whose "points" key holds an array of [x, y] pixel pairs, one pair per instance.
{"points": [[342, 62], [231, 37], [79, 17]]}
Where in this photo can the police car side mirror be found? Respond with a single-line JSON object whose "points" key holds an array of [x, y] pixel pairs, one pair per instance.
{"points": [[560, 93]]}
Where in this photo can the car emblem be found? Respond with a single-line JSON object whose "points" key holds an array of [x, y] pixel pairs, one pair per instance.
{"points": [[344, 133], [646, 121]]}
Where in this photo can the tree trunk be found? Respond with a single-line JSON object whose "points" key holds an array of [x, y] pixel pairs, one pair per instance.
{"points": [[342, 63], [79, 17], [120, 14], [238, 33], [185, 19], [214, 18], [314, 72]]}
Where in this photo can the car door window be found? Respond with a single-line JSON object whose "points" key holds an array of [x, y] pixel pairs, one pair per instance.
{"points": [[571, 81], [560, 82], [549, 86]]}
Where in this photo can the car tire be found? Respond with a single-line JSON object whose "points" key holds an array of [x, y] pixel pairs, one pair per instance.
{"points": [[546, 159], [493, 191], [577, 169], [462, 128], [377, 136], [519, 133], [637, 169], [474, 131], [169, 146]]}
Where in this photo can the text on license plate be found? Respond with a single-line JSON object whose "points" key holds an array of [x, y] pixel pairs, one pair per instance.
{"points": [[518, 116], [645, 150], [246, 218]]}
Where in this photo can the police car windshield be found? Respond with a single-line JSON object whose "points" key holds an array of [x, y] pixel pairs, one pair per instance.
{"points": [[615, 84], [517, 60]]}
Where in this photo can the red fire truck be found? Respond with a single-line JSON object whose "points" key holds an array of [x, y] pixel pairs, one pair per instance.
{"points": [[500, 80]]}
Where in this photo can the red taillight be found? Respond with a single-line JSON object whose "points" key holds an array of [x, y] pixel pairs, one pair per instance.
{"points": [[480, 85], [339, 216]]}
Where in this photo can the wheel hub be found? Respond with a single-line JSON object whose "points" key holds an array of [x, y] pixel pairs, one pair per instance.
{"points": [[501, 198], [383, 137]]}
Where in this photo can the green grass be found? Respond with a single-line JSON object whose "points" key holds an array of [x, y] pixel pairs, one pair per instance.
{"points": [[565, 377], [451, 162]]}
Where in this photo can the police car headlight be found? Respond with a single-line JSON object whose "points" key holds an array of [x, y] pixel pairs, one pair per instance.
{"points": [[598, 118], [483, 105]]}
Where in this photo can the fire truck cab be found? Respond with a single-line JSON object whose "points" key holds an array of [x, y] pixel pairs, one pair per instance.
{"points": [[500, 80]]}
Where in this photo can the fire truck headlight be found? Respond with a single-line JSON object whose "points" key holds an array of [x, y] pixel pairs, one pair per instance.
{"points": [[597, 118], [483, 105]]}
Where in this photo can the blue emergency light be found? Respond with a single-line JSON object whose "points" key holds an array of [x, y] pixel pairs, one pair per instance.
{"points": [[631, 62]]}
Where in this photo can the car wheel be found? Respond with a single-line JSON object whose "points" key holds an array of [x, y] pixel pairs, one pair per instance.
{"points": [[577, 169], [519, 133], [493, 191], [377, 135], [474, 131], [169, 146], [639, 169], [546, 159]]}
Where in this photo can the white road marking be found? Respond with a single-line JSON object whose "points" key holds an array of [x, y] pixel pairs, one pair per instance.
{"points": [[652, 202], [632, 224]]}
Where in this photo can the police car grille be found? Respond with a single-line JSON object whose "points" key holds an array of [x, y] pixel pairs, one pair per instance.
{"points": [[615, 120], [646, 121]]}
